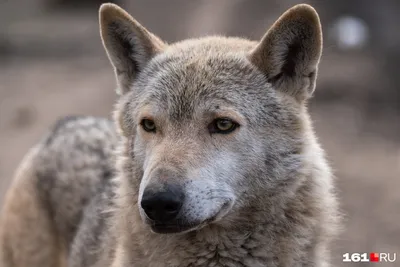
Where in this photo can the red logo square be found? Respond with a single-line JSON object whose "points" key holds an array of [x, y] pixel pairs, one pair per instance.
{"points": [[374, 257]]}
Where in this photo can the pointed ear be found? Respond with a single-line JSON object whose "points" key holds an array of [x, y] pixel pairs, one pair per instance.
{"points": [[128, 44], [290, 51]]}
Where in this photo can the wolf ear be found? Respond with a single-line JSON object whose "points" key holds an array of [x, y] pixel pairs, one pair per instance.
{"points": [[128, 44], [290, 51]]}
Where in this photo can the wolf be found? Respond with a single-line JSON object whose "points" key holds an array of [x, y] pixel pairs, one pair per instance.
{"points": [[211, 159]]}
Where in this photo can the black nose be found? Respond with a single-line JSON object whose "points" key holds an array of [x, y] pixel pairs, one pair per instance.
{"points": [[164, 204]]}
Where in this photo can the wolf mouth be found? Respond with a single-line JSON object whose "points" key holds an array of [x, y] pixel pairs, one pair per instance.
{"points": [[183, 226], [172, 228], [178, 227]]}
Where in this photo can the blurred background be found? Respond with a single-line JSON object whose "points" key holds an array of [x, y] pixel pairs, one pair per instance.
{"points": [[52, 64]]}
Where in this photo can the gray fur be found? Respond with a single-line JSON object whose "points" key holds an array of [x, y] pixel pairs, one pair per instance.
{"points": [[259, 196]]}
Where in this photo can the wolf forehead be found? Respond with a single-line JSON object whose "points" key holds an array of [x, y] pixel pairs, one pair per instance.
{"points": [[203, 74]]}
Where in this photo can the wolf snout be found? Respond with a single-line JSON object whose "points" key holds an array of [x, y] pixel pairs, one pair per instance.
{"points": [[162, 204]]}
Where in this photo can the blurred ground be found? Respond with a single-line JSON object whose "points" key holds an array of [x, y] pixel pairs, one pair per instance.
{"points": [[52, 64]]}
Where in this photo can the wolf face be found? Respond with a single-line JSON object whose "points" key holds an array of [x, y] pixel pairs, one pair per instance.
{"points": [[210, 125]]}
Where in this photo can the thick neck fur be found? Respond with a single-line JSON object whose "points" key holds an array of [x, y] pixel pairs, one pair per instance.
{"points": [[283, 231]]}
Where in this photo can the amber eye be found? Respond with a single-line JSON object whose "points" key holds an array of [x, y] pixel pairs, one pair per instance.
{"points": [[222, 126], [148, 125]]}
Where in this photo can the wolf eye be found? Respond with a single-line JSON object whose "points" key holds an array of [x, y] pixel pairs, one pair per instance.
{"points": [[222, 126], [148, 125]]}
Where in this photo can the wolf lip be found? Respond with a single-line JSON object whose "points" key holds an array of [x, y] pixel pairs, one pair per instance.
{"points": [[181, 226], [171, 228], [174, 228]]}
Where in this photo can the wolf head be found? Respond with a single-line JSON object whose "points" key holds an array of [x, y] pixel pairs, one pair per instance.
{"points": [[212, 127]]}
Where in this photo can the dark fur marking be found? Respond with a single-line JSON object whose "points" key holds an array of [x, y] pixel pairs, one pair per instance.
{"points": [[45, 184], [275, 79], [59, 126]]}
